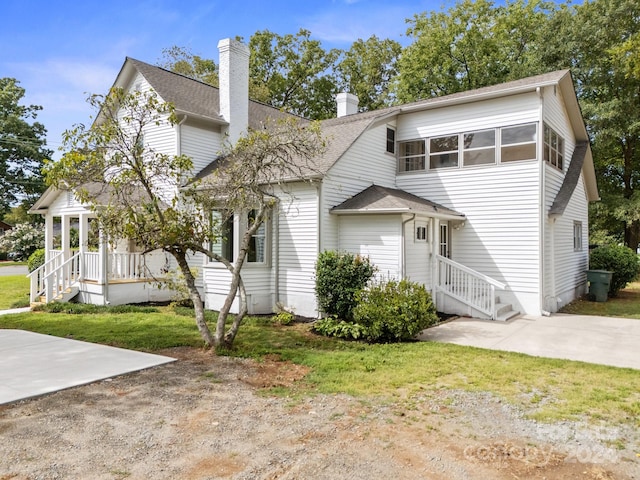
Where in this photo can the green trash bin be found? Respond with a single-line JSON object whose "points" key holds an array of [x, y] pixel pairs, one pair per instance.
{"points": [[599, 282]]}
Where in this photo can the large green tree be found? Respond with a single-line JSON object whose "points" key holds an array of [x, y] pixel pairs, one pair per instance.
{"points": [[22, 147], [293, 72], [367, 70], [599, 41], [471, 45]]}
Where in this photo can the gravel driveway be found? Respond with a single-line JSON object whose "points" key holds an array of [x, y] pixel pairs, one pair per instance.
{"points": [[206, 417]]}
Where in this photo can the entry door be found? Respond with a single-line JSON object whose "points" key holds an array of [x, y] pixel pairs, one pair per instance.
{"points": [[444, 240]]}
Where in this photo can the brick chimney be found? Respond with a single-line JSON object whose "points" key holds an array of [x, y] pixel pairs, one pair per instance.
{"points": [[234, 87], [347, 104]]}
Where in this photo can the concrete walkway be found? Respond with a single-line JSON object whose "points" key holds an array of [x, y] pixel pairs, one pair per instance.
{"points": [[33, 364], [602, 340]]}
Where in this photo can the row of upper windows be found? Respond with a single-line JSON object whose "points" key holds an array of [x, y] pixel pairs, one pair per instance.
{"points": [[480, 147]]}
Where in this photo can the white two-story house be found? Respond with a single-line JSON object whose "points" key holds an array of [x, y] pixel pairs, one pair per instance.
{"points": [[482, 196]]}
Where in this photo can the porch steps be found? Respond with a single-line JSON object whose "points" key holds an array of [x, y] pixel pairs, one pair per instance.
{"points": [[65, 296]]}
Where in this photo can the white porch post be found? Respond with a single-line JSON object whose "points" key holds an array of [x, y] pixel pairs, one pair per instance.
{"points": [[66, 237], [435, 249], [48, 236], [84, 241], [103, 249]]}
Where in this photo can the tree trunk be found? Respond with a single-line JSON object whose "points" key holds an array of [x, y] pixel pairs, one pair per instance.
{"points": [[194, 294], [632, 235], [235, 326]]}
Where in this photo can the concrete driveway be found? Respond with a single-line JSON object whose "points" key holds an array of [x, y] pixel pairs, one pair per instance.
{"points": [[33, 364], [603, 340], [13, 270]]}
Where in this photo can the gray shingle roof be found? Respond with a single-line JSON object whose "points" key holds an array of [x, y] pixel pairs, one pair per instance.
{"points": [[570, 179], [377, 199], [198, 98]]}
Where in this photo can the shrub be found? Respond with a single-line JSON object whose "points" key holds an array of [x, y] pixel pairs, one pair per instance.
{"points": [[22, 240], [620, 260], [392, 311], [340, 276], [333, 327], [36, 259]]}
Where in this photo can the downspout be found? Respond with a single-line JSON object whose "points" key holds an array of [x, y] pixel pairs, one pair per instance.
{"points": [[404, 247], [319, 236], [276, 254], [179, 135], [542, 206]]}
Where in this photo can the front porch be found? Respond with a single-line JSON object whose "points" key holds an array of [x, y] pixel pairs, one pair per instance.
{"points": [[82, 264]]}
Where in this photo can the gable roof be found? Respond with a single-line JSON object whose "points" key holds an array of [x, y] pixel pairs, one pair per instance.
{"points": [[192, 97], [381, 200]]}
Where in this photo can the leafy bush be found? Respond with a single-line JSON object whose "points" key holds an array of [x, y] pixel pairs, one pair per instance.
{"points": [[340, 276], [620, 260], [392, 311], [332, 327], [36, 259], [22, 240], [283, 318]]}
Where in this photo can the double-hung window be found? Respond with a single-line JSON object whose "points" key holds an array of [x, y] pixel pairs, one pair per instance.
{"points": [[224, 231], [258, 241], [411, 156], [577, 236], [553, 147]]}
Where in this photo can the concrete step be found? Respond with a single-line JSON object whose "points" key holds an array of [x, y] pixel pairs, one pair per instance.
{"points": [[505, 311]]}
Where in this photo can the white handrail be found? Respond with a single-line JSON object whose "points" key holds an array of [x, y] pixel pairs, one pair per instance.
{"points": [[37, 286], [468, 286], [62, 278]]}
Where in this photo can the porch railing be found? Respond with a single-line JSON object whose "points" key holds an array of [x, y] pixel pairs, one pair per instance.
{"points": [[37, 285], [60, 279], [468, 286]]}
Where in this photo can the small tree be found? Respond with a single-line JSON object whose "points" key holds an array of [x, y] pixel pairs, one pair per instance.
{"points": [[144, 195]]}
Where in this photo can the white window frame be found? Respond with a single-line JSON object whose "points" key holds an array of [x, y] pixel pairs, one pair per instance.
{"points": [[553, 154], [388, 143], [421, 232], [533, 142], [264, 235], [413, 157], [577, 236]]}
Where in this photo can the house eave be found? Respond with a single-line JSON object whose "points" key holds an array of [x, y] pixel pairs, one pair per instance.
{"points": [[395, 211]]}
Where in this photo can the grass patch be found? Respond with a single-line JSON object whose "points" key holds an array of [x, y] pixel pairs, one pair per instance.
{"points": [[626, 304], [10, 263], [14, 292], [546, 389]]}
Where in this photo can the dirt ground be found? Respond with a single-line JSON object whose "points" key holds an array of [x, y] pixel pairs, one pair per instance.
{"points": [[207, 417]]}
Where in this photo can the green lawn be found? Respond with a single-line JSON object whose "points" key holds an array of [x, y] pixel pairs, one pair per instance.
{"points": [[626, 304], [7, 263], [545, 389], [14, 291]]}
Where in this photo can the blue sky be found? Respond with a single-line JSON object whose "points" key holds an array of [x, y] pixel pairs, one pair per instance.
{"points": [[61, 51]]}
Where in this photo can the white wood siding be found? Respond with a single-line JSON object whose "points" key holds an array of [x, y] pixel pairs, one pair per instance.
{"points": [[511, 110], [298, 242], [417, 262], [201, 143], [500, 237], [564, 268], [293, 240], [377, 237], [365, 163]]}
